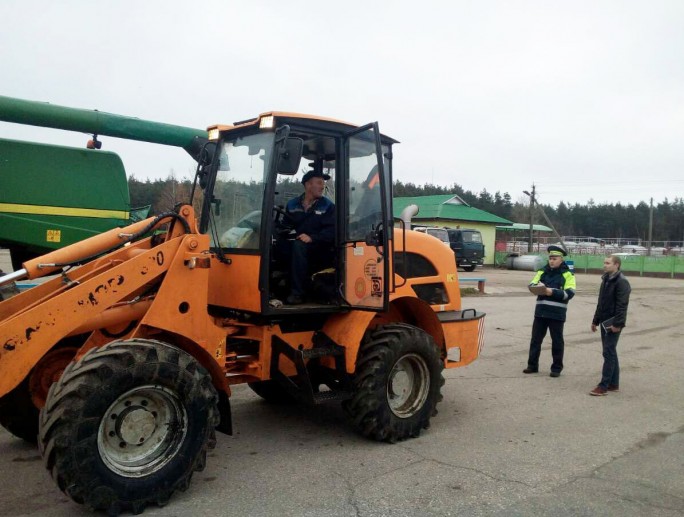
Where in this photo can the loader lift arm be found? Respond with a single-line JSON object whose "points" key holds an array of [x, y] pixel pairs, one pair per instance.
{"points": [[104, 289]]}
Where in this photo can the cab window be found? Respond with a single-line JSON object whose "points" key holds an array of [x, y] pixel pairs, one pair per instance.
{"points": [[239, 191], [472, 237], [364, 192]]}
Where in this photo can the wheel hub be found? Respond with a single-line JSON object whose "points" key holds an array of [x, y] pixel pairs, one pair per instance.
{"points": [[141, 431], [400, 384], [135, 425], [408, 385]]}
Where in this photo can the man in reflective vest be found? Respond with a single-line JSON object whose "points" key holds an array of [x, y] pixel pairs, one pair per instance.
{"points": [[557, 285]]}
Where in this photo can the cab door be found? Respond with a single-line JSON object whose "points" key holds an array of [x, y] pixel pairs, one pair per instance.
{"points": [[365, 227]]}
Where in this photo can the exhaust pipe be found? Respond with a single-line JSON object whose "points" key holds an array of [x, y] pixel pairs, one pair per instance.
{"points": [[408, 213]]}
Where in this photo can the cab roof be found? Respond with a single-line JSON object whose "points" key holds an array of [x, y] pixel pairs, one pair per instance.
{"points": [[271, 118]]}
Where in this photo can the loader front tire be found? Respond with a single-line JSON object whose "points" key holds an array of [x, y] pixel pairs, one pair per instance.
{"points": [[397, 383], [128, 424]]}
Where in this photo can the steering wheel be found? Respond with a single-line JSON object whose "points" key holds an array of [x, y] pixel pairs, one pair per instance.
{"points": [[281, 227]]}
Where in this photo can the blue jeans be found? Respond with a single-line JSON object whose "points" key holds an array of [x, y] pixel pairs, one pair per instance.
{"points": [[305, 260], [299, 267], [611, 366]]}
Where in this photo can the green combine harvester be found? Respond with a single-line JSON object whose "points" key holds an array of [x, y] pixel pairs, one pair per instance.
{"points": [[52, 196]]}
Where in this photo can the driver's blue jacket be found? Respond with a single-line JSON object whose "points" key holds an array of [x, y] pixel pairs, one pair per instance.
{"points": [[318, 222]]}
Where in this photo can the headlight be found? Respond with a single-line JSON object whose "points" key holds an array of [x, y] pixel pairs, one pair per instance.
{"points": [[267, 122]]}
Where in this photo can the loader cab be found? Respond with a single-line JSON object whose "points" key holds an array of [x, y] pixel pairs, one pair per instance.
{"points": [[257, 167]]}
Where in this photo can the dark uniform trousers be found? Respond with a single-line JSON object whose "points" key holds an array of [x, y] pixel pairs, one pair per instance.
{"points": [[539, 328]]}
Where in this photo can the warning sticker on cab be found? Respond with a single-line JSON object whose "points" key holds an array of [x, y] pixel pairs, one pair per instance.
{"points": [[54, 236], [376, 286], [370, 269], [360, 288]]}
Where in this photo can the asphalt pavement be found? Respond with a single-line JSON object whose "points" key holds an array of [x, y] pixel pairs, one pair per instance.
{"points": [[503, 443]]}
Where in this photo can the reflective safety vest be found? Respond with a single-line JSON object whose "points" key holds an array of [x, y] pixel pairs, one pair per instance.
{"points": [[562, 281]]}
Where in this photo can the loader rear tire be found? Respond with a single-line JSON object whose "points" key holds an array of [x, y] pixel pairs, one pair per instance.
{"points": [[397, 383], [18, 414], [128, 424], [19, 409]]}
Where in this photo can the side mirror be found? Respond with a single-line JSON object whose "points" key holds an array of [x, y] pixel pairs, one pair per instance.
{"points": [[203, 179], [217, 206], [289, 156], [204, 159]]}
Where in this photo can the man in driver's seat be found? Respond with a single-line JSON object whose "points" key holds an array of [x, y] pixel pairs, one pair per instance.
{"points": [[313, 218]]}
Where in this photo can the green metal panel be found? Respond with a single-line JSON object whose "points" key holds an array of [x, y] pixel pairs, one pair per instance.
{"points": [[52, 196]]}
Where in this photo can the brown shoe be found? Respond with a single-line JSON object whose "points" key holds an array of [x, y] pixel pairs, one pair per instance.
{"points": [[530, 370], [614, 388], [598, 391]]}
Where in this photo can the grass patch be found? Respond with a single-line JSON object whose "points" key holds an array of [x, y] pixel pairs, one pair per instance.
{"points": [[469, 291]]}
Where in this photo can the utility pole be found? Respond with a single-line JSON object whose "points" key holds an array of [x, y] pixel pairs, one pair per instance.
{"points": [[650, 228], [532, 201], [548, 221]]}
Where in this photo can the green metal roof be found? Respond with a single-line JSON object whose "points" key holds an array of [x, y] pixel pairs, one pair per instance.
{"points": [[524, 226], [445, 207]]}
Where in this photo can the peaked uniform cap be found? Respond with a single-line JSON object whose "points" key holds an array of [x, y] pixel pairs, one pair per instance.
{"points": [[557, 251]]}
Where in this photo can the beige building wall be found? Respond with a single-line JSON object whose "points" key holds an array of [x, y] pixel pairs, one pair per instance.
{"points": [[488, 232]]}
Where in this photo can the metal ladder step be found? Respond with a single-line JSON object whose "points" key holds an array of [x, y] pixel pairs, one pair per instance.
{"points": [[300, 385], [331, 396], [321, 351]]}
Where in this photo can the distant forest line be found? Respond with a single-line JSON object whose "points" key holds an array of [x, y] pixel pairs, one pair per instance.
{"points": [[614, 220]]}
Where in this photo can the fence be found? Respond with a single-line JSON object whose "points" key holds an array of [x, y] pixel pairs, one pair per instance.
{"points": [[582, 248], [664, 265]]}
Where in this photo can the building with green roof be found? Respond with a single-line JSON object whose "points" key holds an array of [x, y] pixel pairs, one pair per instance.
{"points": [[450, 211]]}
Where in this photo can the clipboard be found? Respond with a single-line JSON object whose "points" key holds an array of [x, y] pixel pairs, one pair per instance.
{"points": [[608, 323], [537, 289]]}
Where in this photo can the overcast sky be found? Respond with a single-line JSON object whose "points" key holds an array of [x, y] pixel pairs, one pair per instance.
{"points": [[584, 98]]}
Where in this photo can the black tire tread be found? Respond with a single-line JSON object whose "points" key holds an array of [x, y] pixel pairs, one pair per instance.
{"points": [[65, 416], [368, 407]]}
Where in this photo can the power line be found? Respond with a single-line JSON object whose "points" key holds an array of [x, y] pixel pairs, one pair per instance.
{"points": [[612, 182]]}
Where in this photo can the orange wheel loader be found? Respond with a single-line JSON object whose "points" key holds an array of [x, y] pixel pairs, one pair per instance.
{"points": [[120, 363]]}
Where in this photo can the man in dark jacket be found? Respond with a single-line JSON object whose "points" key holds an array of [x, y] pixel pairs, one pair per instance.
{"points": [[313, 218], [611, 315], [556, 284]]}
